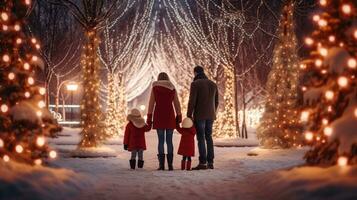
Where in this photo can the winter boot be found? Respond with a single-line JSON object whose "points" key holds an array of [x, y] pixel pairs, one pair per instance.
{"points": [[170, 159], [183, 164], [161, 158], [200, 167], [140, 164], [188, 166], [132, 164], [210, 166]]}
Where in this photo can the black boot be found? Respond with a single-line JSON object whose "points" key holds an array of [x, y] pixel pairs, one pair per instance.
{"points": [[200, 167], [161, 158], [140, 164], [170, 159], [132, 164]]}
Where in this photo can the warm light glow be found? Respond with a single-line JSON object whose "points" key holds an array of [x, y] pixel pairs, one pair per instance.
{"points": [[305, 116], [39, 113], [6, 158], [318, 62], [34, 58], [328, 131], [142, 107], [33, 40], [4, 16], [1, 143], [18, 41], [355, 34], [17, 27], [302, 66], [5, 27], [323, 2], [30, 80], [40, 141], [27, 2], [4, 108], [19, 148], [309, 41], [6, 58], [309, 136], [38, 162], [41, 104], [323, 51], [27, 94], [332, 38], [325, 121], [304, 88], [26, 66], [329, 95], [72, 86], [316, 18], [342, 81], [37, 46], [355, 112], [53, 154], [346, 9], [352, 63], [42, 91], [322, 22], [342, 161], [11, 76]]}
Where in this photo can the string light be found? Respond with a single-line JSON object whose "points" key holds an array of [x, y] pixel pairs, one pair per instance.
{"points": [[40, 141], [328, 131], [6, 58], [346, 9], [332, 38], [355, 112], [318, 62], [322, 23], [17, 27], [309, 41], [342, 81], [323, 2], [316, 18], [19, 149], [18, 41], [31, 81], [11, 76], [26, 66], [38, 162], [1, 143], [41, 104], [309, 136], [42, 90], [305, 116], [329, 95], [6, 158], [352, 63], [342, 161], [27, 94], [4, 108], [4, 16], [53, 154]]}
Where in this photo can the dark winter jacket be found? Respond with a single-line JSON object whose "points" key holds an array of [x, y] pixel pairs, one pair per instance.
{"points": [[134, 137], [187, 143], [163, 100], [203, 102]]}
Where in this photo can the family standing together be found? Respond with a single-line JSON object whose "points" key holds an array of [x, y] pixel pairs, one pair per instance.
{"points": [[164, 115]]}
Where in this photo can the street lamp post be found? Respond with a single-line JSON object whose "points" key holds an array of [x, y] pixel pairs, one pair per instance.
{"points": [[72, 87]]}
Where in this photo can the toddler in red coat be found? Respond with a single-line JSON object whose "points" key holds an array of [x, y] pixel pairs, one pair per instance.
{"points": [[187, 143], [134, 137]]}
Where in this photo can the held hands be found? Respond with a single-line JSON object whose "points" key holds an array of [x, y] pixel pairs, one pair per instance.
{"points": [[125, 147], [178, 119], [149, 119]]}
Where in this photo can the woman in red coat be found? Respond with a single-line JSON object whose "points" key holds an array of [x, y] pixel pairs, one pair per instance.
{"points": [[134, 137], [187, 143], [164, 110]]}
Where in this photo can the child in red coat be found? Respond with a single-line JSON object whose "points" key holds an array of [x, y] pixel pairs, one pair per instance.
{"points": [[134, 137], [187, 143]]}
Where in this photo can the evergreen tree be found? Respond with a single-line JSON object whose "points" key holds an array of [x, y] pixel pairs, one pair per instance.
{"points": [[24, 120], [279, 125], [330, 85]]}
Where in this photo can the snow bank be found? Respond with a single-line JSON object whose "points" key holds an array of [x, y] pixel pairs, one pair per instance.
{"points": [[98, 152], [236, 142], [19, 181], [312, 183]]}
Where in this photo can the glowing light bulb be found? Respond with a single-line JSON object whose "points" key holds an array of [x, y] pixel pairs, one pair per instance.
{"points": [[325, 121], [17, 27], [322, 23], [316, 18], [304, 88], [302, 66], [19, 148], [6, 158], [1, 143], [11, 76], [53, 154], [33, 40], [142, 107], [309, 136], [309, 41], [39, 113], [342, 81], [41, 104], [38, 162], [352, 63], [30, 80], [318, 62], [42, 91], [27, 2], [329, 95], [323, 51], [328, 131], [6, 58], [40, 141], [305, 116], [37, 46], [5, 27], [355, 34], [346, 9], [4, 16], [355, 112], [4, 108], [27, 94], [18, 41], [323, 2], [26, 66], [34, 58], [342, 161], [332, 38]]}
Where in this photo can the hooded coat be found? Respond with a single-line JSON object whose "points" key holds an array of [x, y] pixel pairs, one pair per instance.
{"points": [[134, 135], [187, 142]]}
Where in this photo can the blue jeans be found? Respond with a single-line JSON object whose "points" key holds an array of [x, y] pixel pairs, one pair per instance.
{"points": [[204, 138], [161, 135]]}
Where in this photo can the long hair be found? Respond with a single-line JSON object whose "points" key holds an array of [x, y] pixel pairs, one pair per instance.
{"points": [[163, 76]]}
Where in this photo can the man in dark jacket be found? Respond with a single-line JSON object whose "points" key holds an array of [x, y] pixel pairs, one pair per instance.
{"points": [[202, 109]]}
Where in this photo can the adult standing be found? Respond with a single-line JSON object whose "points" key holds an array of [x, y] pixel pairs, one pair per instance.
{"points": [[202, 107], [163, 105]]}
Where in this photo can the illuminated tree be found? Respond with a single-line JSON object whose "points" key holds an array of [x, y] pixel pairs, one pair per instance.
{"points": [[24, 121], [330, 85], [279, 126]]}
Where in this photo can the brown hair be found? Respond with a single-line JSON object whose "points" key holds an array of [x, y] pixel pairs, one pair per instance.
{"points": [[163, 76]]}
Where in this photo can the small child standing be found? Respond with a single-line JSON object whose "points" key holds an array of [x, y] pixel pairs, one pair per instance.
{"points": [[134, 137], [187, 143]]}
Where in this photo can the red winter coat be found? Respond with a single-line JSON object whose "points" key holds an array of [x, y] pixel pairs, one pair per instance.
{"points": [[163, 99], [187, 143], [134, 137]]}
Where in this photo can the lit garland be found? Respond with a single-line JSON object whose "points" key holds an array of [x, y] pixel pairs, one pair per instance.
{"points": [[330, 87], [279, 126], [22, 136]]}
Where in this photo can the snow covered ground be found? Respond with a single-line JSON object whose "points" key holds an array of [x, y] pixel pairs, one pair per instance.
{"points": [[269, 174]]}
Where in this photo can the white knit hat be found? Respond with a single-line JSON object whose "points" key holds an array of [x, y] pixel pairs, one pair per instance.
{"points": [[187, 123]]}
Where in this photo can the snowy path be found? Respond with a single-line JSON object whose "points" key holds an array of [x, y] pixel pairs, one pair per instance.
{"points": [[234, 177]]}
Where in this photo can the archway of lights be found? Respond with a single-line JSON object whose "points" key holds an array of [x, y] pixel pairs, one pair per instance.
{"points": [[231, 39]]}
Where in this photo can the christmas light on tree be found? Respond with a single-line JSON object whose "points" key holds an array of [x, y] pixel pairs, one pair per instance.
{"points": [[279, 126], [24, 121], [330, 87]]}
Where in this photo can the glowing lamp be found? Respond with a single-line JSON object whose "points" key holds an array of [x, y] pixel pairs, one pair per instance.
{"points": [[309, 41], [346, 9], [309, 136], [19, 148], [38, 162], [305, 116], [42, 91], [342, 161], [352, 63], [342, 81], [6, 58], [329, 95], [11, 76], [328, 131], [4, 108], [1, 143], [72, 86], [40, 141], [53, 154], [6, 158], [4, 16]]}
